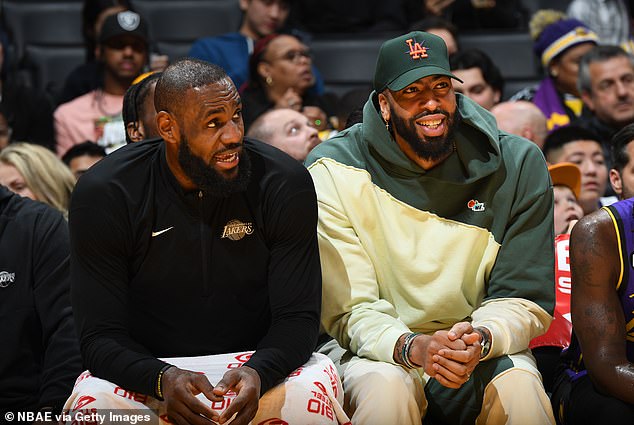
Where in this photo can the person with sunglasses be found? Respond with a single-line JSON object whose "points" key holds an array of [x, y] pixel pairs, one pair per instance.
{"points": [[96, 115], [281, 76]]}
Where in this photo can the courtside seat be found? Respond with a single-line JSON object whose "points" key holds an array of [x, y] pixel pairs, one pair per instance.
{"points": [[173, 50], [50, 65], [185, 21], [42, 23], [347, 61], [511, 87], [512, 52]]}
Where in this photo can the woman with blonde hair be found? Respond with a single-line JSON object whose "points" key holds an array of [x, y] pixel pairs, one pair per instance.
{"points": [[35, 172]]}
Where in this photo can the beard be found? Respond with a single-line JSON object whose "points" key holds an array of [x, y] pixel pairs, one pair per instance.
{"points": [[427, 148], [208, 179]]}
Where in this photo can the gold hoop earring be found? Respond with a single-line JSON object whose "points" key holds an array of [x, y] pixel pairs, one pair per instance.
{"points": [[269, 80]]}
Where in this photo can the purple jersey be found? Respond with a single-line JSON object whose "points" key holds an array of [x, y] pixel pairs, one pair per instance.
{"points": [[622, 214]]}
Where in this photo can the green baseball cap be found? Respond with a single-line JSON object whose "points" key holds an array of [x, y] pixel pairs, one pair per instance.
{"points": [[410, 57]]}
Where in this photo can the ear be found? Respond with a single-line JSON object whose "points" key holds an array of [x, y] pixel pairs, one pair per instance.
{"points": [[244, 4], [264, 69], [135, 131], [168, 127], [385, 107], [616, 182], [527, 133], [496, 96]]}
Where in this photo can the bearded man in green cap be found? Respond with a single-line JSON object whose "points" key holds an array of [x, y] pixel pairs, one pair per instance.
{"points": [[435, 233]]}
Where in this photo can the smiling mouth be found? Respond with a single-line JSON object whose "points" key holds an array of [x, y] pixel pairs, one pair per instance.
{"points": [[230, 157], [433, 124]]}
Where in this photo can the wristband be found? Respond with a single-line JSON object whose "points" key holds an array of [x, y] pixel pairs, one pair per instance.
{"points": [[407, 345], [159, 382], [485, 342]]}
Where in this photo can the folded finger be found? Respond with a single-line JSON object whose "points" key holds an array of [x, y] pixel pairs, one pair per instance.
{"points": [[458, 370], [195, 411], [228, 381], [460, 356], [446, 383], [236, 407]]}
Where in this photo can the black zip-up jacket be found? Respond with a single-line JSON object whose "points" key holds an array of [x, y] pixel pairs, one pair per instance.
{"points": [[39, 359], [157, 272]]}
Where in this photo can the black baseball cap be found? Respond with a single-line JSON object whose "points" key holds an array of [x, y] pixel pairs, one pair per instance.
{"points": [[124, 23]]}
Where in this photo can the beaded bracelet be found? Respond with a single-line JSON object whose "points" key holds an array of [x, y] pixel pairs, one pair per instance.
{"points": [[407, 345]]}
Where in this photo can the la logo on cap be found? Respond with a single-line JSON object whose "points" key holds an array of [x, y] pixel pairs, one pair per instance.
{"points": [[416, 51]]}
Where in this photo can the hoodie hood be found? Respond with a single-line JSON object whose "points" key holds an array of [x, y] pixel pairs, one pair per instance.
{"points": [[476, 141]]}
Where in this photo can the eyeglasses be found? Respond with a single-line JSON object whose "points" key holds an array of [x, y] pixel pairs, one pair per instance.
{"points": [[296, 56]]}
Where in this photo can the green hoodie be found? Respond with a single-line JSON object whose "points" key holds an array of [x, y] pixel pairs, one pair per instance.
{"points": [[404, 249]]}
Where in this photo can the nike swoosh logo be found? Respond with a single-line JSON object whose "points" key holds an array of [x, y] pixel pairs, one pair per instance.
{"points": [[155, 234]]}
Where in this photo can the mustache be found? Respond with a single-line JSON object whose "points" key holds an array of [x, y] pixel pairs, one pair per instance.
{"points": [[437, 111], [228, 148]]}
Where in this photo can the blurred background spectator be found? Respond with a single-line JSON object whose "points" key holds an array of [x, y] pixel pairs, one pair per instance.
{"points": [[606, 85], [287, 130], [96, 115], [280, 76], [139, 114], [521, 118], [560, 43], [582, 148], [231, 50], [81, 157], [440, 27], [35, 172], [546, 348], [89, 75], [345, 58], [610, 19], [482, 81], [26, 113]]}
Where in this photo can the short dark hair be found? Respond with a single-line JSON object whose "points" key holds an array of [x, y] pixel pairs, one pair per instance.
{"points": [[86, 148], [564, 135], [475, 58], [601, 53], [618, 147], [181, 76]]}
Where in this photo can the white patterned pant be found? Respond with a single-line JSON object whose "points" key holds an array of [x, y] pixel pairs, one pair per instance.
{"points": [[312, 394]]}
